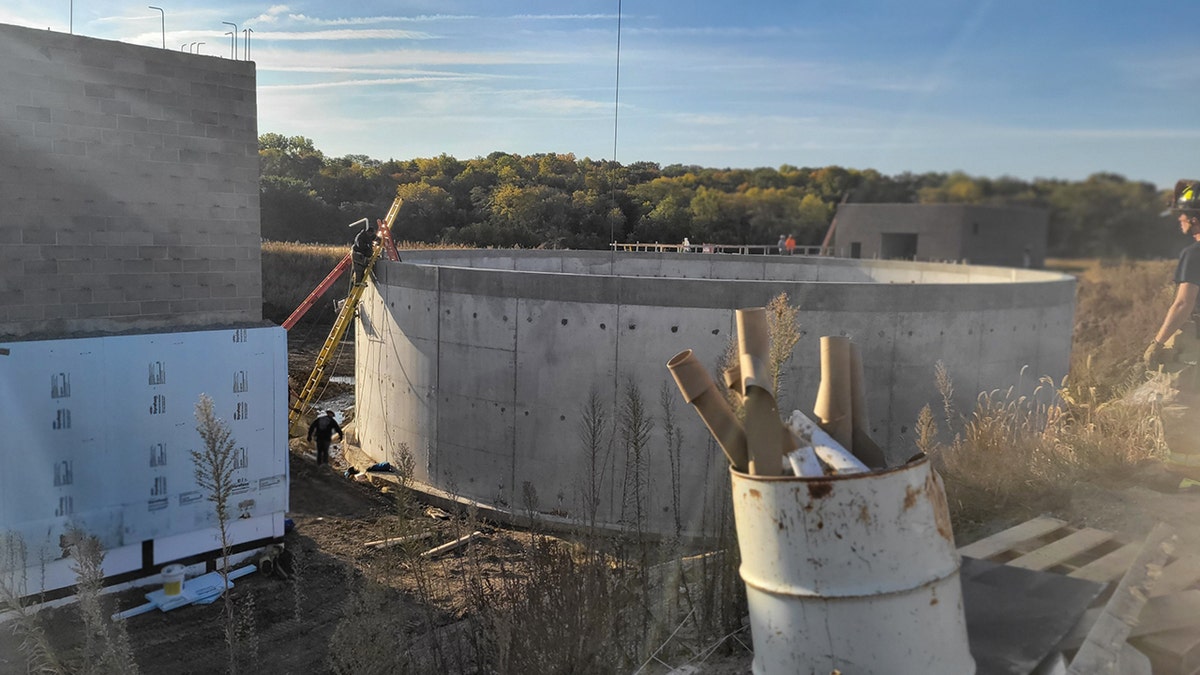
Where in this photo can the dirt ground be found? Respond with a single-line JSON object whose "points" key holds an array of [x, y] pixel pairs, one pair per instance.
{"points": [[291, 623]]}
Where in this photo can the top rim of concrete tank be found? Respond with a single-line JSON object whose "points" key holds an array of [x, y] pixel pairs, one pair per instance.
{"points": [[596, 276]]}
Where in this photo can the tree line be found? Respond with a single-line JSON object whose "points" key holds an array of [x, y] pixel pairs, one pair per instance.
{"points": [[559, 201]]}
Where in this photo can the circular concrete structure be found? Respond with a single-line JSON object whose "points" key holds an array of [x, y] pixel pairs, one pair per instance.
{"points": [[489, 366]]}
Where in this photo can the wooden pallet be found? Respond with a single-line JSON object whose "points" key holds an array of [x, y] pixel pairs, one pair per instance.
{"points": [[1168, 630]]}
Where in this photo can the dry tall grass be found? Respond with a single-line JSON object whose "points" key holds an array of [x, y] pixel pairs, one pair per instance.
{"points": [[1014, 455], [291, 270]]}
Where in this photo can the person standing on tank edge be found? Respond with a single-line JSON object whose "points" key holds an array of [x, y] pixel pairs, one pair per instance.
{"points": [[1175, 349], [323, 429], [364, 246]]}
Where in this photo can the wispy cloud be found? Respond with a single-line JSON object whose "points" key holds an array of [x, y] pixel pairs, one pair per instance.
{"points": [[271, 15], [717, 31], [565, 17], [370, 20], [346, 34], [566, 105], [361, 83], [271, 58]]}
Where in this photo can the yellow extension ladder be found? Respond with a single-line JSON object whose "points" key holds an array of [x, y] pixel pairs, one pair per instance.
{"points": [[345, 316]]}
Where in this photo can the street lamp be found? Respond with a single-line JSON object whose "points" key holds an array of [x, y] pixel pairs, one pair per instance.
{"points": [[198, 46], [233, 37], [192, 48], [233, 40], [246, 48], [164, 24], [71, 20]]}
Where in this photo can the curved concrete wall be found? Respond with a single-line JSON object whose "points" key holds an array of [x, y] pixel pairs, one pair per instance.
{"points": [[483, 363]]}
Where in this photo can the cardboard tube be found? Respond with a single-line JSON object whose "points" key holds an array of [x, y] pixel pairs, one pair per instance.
{"points": [[864, 447], [754, 349], [834, 407], [699, 389], [733, 379], [765, 435]]}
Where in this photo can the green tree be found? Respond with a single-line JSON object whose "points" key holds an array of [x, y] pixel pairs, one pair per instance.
{"points": [[427, 211]]}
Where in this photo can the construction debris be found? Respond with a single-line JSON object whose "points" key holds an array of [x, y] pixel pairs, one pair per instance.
{"points": [[450, 546], [394, 541]]}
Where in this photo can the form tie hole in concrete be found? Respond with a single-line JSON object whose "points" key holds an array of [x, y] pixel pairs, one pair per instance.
{"points": [[564, 322], [716, 330], [504, 318], [633, 326], [562, 418], [674, 329], [474, 315], [602, 327]]}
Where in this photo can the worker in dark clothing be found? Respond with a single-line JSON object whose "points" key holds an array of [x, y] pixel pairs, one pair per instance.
{"points": [[364, 246], [323, 429]]}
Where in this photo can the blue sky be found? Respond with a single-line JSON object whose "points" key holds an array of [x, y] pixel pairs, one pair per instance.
{"points": [[1023, 88]]}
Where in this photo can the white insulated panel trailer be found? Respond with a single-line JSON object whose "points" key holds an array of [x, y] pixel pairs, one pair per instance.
{"points": [[99, 436]]}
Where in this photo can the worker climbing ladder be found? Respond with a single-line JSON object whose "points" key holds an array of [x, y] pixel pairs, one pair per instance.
{"points": [[345, 314]]}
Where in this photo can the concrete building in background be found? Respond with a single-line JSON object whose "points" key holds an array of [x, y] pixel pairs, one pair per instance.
{"points": [[130, 284], [980, 235]]}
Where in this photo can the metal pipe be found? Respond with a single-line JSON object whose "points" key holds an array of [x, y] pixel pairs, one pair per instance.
{"points": [[233, 40], [164, 24]]}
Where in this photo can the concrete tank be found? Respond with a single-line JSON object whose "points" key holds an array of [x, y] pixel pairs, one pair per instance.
{"points": [[488, 365]]}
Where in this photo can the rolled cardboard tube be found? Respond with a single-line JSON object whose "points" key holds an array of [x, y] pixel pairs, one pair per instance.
{"points": [[766, 439], [699, 389], [754, 348], [764, 433], [733, 378], [834, 407], [864, 447]]}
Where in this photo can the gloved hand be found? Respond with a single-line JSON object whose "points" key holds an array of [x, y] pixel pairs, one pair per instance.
{"points": [[1155, 355]]}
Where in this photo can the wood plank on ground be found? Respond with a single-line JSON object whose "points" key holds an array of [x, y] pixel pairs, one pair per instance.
{"points": [[1101, 650], [1162, 613], [1172, 652], [1059, 552], [1177, 576], [1012, 537], [1110, 566]]}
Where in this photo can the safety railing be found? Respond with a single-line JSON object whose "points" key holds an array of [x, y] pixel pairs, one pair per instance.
{"points": [[740, 249]]}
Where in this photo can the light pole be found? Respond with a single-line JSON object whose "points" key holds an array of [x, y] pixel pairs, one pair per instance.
{"points": [[71, 17], [198, 46], [192, 48], [183, 46], [233, 40], [164, 24], [246, 48]]}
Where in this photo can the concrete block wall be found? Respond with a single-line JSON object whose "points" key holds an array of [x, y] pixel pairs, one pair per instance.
{"points": [[484, 370], [128, 187]]}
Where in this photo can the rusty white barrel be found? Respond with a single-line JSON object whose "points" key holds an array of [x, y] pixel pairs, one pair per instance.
{"points": [[855, 573]]}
